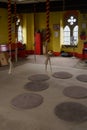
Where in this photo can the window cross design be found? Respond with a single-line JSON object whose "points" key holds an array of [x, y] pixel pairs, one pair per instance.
{"points": [[71, 20]]}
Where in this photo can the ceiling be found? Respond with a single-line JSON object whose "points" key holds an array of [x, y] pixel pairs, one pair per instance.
{"points": [[55, 5], [26, 1]]}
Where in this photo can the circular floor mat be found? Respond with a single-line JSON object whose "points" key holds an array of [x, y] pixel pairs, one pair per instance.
{"points": [[39, 77], [71, 111], [75, 92], [80, 126], [82, 77], [27, 101], [36, 86], [62, 75]]}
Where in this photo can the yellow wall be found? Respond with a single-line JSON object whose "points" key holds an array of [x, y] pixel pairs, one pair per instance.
{"points": [[3, 26], [28, 30], [55, 34], [39, 23], [80, 22], [56, 38]]}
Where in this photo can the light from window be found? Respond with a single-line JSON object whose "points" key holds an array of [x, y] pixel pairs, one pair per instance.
{"points": [[75, 34], [66, 37], [71, 20], [20, 34], [70, 33]]}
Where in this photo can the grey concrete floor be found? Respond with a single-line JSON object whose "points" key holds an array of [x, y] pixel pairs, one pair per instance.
{"points": [[41, 117]]}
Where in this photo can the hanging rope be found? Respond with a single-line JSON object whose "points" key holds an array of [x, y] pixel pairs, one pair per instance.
{"points": [[15, 17], [48, 53], [9, 35], [47, 23], [34, 32], [16, 36], [9, 26]]}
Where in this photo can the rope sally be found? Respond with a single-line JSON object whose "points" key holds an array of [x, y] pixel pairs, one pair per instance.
{"points": [[47, 23], [48, 53], [16, 37], [9, 36], [34, 32], [9, 26]]}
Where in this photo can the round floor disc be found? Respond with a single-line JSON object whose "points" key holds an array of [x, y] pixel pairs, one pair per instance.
{"points": [[36, 86], [39, 77], [75, 92], [62, 75], [82, 77], [71, 111], [27, 100]]}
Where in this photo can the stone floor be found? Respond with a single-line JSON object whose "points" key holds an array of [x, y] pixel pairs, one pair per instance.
{"points": [[42, 117]]}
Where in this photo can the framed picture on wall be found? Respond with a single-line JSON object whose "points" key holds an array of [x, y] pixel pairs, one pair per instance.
{"points": [[84, 25], [56, 26]]}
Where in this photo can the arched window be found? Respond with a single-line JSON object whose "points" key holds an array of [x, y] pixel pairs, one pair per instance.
{"points": [[66, 34], [20, 34], [19, 30], [70, 31], [75, 34]]}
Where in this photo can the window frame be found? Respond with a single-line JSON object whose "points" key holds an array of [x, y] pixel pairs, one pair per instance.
{"points": [[72, 27]]}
